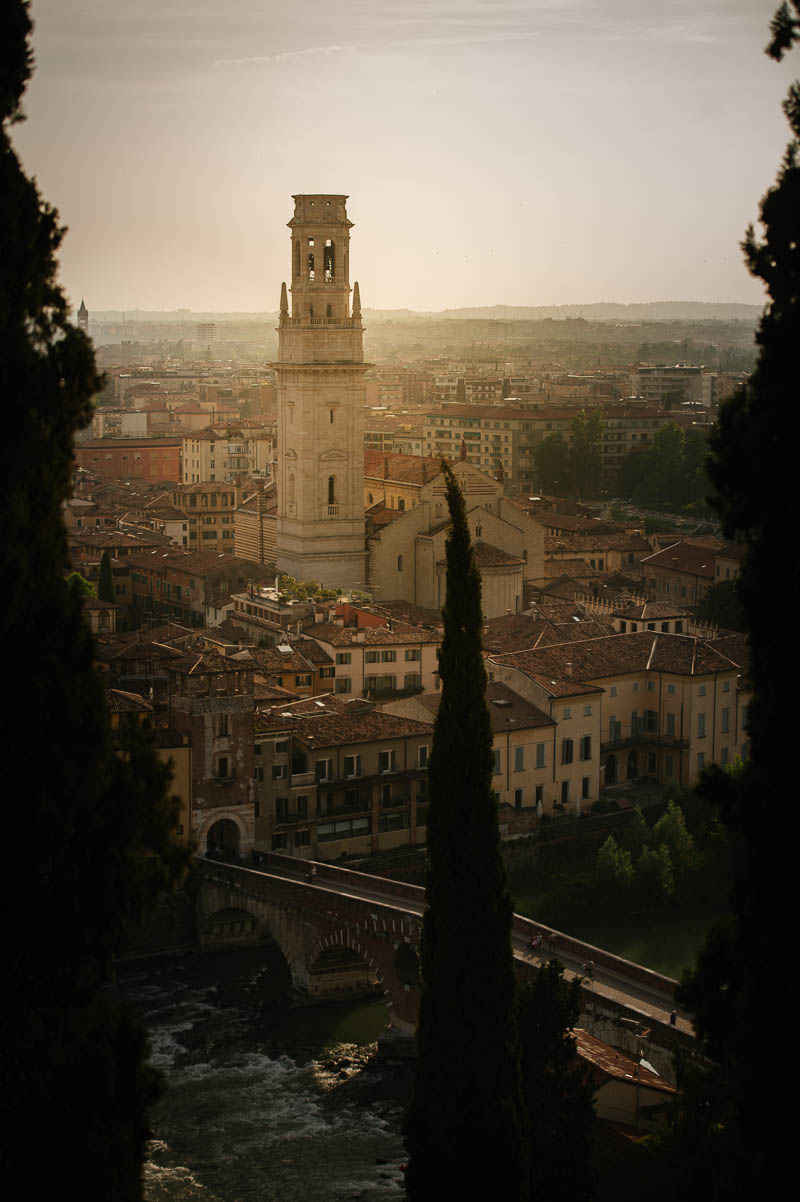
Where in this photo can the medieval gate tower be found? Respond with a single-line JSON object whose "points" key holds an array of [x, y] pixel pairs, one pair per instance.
{"points": [[321, 395]]}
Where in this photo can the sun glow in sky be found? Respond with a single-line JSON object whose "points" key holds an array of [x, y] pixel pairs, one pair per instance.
{"points": [[520, 152]]}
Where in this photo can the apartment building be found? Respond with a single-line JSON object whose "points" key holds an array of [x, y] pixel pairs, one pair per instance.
{"points": [[379, 662], [214, 454], [683, 570], [678, 383], [153, 459], [336, 777], [668, 704]]}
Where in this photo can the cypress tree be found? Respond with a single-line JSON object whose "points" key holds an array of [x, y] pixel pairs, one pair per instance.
{"points": [[744, 990], [85, 829], [105, 585], [465, 1127]]}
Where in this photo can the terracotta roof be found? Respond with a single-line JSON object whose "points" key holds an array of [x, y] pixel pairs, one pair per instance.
{"points": [[369, 636], [692, 557], [608, 1062], [619, 654], [402, 469], [121, 702], [487, 556], [651, 611], [590, 541], [331, 730], [557, 569]]}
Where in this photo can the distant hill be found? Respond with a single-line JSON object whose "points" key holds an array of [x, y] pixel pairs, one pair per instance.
{"points": [[601, 311]]}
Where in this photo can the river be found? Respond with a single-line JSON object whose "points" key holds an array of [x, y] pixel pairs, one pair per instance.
{"points": [[263, 1101], [280, 1104]]}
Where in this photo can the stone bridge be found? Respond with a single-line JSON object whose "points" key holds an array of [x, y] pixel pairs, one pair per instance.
{"points": [[345, 933]]}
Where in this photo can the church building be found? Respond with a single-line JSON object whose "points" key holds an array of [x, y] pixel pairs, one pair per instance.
{"points": [[320, 532]]}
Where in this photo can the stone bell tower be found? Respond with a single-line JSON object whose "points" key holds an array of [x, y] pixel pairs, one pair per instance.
{"points": [[321, 395]]}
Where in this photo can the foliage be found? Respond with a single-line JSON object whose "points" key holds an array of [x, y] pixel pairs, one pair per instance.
{"points": [[744, 979], [86, 827], [586, 432], [80, 585], [669, 473], [613, 868], [105, 586], [556, 1088], [553, 466], [307, 590], [465, 1126], [654, 879], [720, 606]]}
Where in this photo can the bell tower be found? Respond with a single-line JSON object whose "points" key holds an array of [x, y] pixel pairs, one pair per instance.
{"points": [[321, 395]]}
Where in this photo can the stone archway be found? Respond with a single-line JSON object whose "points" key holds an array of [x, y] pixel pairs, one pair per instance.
{"points": [[339, 970], [224, 836], [633, 765]]}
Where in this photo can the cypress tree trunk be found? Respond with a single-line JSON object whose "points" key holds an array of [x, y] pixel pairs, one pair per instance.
{"points": [[465, 1126], [85, 830]]}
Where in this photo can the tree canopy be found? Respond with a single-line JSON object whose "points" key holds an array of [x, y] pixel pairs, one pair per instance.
{"points": [[465, 1127], [86, 818]]}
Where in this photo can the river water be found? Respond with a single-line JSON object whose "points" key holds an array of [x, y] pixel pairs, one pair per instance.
{"points": [[280, 1104], [263, 1101]]}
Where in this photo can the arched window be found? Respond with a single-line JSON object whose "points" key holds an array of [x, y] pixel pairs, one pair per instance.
{"points": [[330, 261], [297, 256], [401, 503], [330, 311], [331, 490]]}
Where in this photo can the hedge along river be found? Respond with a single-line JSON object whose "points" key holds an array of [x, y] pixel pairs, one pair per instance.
{"points": [[262, 1100]]}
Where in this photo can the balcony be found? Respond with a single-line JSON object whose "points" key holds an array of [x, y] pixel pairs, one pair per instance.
{"points": [[638, 738]]}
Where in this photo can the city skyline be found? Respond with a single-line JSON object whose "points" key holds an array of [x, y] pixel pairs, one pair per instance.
{"points": [[517, 152]]}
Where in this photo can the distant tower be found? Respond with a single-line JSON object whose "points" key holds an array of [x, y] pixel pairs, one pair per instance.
{"points": [[83, 318], [321, 396]]}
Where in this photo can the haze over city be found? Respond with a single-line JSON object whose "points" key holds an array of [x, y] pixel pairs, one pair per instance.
{"points": [[520, 152]]}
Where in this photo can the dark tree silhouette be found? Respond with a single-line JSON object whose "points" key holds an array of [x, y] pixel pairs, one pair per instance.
{"points": [[745, 987], [85, 829], [465, 1126], [557, 1090]]}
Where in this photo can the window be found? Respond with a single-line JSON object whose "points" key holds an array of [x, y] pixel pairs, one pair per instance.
{"points": [[349, 828], [222, 725], [668, 769], [586, 747], [587, 711], [636, 686], [344, 684], [422, 756], [651, 763], [412, 680], [651, 686], [701, 726], [222, 767], [413, 653], [565, 792], [539, 794], [281, 746], [302, 839], [352, 765], [388, 657], [519, 759], [322, 770], [724, 756], [386, 761], [701, 692], [567, 751], [301, 679], [518, 799], [540, 755], [281, 809], [386, 793], [613, 690], [399, 563], [671, 725], [278, 771], [701, 759], [726, 720], [585, 783], [372, 657], [497, 768], [344, 657], [670, 690], [726, 686], [422, 790], [566, 712], [279, 842]]}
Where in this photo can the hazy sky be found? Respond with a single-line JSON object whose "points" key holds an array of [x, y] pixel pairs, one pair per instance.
{"points": [[494, 151]]}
